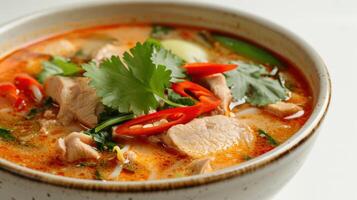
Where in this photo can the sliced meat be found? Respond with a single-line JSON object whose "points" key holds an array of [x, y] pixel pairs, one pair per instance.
{"points": [[203, 136], [218, 85], [201, 166], [77, 100], [283, 109], [76, 146], [110, 50]]}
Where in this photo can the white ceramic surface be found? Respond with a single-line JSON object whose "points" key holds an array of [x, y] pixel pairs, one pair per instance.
{"points": [[267, 180]]}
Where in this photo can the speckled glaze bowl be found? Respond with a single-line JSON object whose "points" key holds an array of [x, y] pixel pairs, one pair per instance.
{"points": [[257, 179]]}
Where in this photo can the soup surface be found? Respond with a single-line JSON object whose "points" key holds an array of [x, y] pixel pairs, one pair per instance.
{"points": [[142, 102]]}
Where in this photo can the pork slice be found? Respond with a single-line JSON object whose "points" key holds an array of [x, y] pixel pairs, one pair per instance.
{"points": [[283, 109], [207, 135], [77, 100], [76, 146], [218, 85]]}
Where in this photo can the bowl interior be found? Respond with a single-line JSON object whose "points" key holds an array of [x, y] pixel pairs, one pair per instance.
{"points": [[51, 22]]}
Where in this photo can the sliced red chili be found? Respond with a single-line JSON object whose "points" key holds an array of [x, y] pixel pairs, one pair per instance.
{"points": [[207, 100], [30, 87], [10, 92], [145, 125], [173, 117], [206, 69]]}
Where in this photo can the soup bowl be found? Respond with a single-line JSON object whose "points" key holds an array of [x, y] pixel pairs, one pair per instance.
{"points": [[259, 178]]}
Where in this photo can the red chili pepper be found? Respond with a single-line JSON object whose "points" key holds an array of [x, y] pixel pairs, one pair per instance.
{"points": [[173, 116], [207, 100], [30, 87], [206, 69], [10, 92]]}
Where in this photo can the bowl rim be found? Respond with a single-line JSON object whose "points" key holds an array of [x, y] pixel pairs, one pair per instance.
{"points": [[245, 168]]}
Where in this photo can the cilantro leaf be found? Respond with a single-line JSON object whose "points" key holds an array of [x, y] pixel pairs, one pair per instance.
{"points": [[133, 85], [58, 66], [253, 83], [103, 139], [6, 134], [166, 58]]}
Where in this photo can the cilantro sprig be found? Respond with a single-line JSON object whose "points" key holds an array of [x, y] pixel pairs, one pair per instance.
{"points": [[103, 139], [254, 84], [172, 62], [137, 82]]}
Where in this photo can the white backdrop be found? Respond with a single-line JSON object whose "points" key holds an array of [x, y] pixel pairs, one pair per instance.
{"points": [[330, 26]]}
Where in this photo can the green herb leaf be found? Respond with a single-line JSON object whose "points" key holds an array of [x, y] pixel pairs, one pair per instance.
{"points": [[159, 31], [68, 68], [103, 139], [6, 134], [162, 56], [172, 62], [187, 101], [49, 69], [108, 113], [253, 83], [249, 50], [156, 43], [102, 133], [270, 139], [58, 66], [133, 85]]}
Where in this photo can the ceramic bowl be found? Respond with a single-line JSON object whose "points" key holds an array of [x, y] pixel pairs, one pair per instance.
{"points": [[257, 179]]}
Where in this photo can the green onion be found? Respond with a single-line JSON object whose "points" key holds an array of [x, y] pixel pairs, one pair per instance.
{"points": [[249, 50], [112, 121]]}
